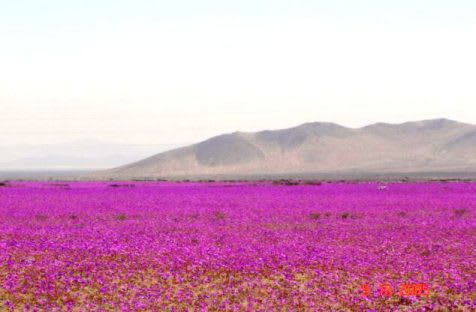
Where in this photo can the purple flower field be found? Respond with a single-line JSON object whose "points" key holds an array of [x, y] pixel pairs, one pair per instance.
{"points": [[137, 246]]}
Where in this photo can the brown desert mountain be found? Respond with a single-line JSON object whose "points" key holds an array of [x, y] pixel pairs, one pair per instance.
{"points": [[439, 145]]}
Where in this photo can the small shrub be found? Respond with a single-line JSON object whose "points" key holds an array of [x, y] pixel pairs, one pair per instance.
{"points": [[120, 217], [461, 212], [315, 216], [345, 215], [426, 253], [404, 301], [286, 182], [219, 215], [402, 214], [3, 184], [73, 217], [312, 183], [327, 214]]}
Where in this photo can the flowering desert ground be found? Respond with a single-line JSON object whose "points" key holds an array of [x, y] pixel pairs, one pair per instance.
{"points": [[249, 246]]}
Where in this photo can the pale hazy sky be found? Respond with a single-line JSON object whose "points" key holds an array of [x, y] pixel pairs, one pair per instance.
{"points": [[180, 71]]}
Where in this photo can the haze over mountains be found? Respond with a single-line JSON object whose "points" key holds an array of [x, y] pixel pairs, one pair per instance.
{"points": [[85, 154], [438, 145]]}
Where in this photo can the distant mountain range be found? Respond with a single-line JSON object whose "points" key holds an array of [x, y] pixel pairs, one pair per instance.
{"points": [[75, 155], [439, 145]]}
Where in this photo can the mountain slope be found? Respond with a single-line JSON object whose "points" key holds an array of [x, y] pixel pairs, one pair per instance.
{"points": [[429, 145]]}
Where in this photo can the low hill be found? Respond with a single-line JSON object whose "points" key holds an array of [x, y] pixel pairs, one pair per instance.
{"points": [[439, 145]]}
